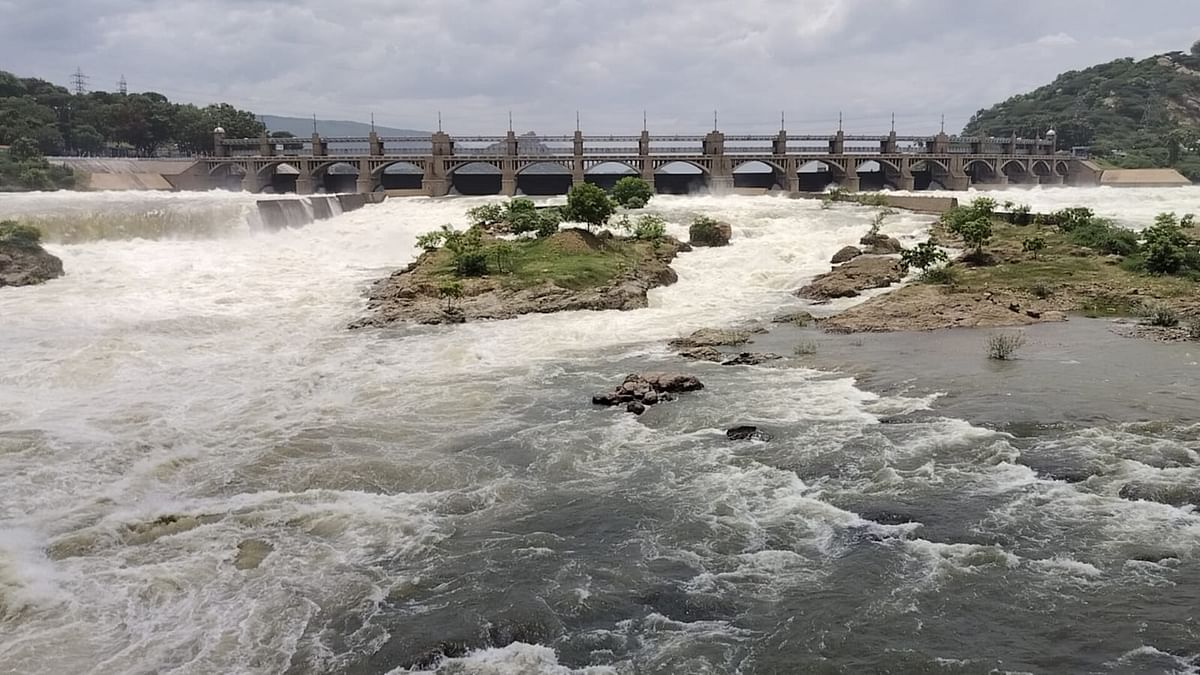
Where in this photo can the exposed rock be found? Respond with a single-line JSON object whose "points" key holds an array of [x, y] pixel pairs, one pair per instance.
{"points": [[881, 244], [412, 294], [751, 359], [711, 337], [849, 279], [719, 236], [647, 389], [927, 307], [1173, 495], [701, 354], [747, 433], [251, 553], [27, 264], [797, 318], [845, 253]]}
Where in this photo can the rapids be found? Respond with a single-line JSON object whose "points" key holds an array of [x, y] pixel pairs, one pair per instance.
{"points": [[189, 385]]}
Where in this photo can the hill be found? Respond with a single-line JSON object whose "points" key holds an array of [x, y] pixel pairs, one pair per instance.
{"points": [[303, 126], [1133, 114]]}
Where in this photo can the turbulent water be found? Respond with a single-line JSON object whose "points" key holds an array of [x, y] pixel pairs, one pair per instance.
{"points": [[189, 388]]}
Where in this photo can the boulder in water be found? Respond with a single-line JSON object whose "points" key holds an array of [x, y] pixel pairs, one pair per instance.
{"points": [[751, 359], [849, 279], [701, 354], [881, 244], [640, 390], [747, 433], [711, 337], [844, 254], [23, 261]]}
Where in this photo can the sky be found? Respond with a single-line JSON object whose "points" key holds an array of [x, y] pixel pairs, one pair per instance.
{"points": [[677, 61]]}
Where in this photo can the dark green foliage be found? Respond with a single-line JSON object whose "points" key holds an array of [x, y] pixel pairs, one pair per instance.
{"points": [[1101, 235], [1034, 246], [1167, 248], [589, 204], [650, 228], [976, 232], [451, 291], [26, 169], [485, 215], [1161, 315], [922, 256], [467, 254], [632, 192], [471, 263], [17, 234], [1129, 112], [706, 231], [1069, 219], [57, 121], [941, 276]]}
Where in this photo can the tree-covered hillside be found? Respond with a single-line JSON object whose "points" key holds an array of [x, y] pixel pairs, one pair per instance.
{"points": [[1135, 114], [60, 122]]}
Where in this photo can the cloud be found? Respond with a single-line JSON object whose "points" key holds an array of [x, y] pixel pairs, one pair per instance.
{"points": [[475, 60], [1056, 40]]}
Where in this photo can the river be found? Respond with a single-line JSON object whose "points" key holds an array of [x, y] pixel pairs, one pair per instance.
{"points": [[189, 387]]}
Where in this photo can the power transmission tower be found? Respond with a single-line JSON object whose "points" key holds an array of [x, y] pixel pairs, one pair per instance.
{"points": [[122, 86], [79, 81]]}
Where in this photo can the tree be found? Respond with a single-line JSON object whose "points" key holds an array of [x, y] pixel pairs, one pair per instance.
{"points": [[451, 291], [23, 150], [976, 233], [1034, 246], [589, 204], [632, 192], [922, 256], [1166, 245]]}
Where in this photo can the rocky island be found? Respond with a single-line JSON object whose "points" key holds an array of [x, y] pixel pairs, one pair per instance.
{"points": [[23, 261]]}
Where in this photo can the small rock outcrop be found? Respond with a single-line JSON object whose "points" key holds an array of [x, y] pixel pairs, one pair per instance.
{"points": [[701, 354], [851, 278], [796, 318], [646, 389], [26, 264], [747, 433], [845, 254], [711, 337], [751, 359], [881, 244], [710, 233]]}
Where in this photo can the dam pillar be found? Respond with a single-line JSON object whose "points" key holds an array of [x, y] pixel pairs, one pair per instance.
{"points": [[577, 171], [720, 174], [791, 174], [851, 183], [304, 181], [508, 167], [906, 181], [645, 162], [365, 182]]}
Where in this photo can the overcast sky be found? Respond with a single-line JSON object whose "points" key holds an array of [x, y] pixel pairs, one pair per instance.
{"points": [[544, 59]]}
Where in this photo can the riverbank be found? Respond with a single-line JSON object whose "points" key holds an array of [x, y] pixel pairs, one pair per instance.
{"points": [[568, 271], [1026, 274]]}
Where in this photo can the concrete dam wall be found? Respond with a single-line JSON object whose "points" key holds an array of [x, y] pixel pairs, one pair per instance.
{"points": [[284, 212]]}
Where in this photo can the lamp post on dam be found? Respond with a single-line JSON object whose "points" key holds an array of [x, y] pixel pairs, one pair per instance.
{"points": [[795, 162]]}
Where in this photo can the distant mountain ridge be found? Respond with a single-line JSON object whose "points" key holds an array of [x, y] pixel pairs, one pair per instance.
{"points": [[1133, 114], [303, 127]]}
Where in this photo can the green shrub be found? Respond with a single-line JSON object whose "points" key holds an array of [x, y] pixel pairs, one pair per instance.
{"points": [[1034, 246], [982, 207], [486, 215], [1187, 221], [1101, 235], [1167, 247], [632, 192], [503, 253], [451, 291], [17, 234], [1041, 291], [1002, 346], [976, 233], [548, 221], [471, 264], [940, 276], [805, 348], [1159, 314], [1069, 219], [922, 256], [650, 228]]}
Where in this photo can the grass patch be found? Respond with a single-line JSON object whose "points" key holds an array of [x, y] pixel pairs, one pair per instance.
{"points": [[805, 348]]}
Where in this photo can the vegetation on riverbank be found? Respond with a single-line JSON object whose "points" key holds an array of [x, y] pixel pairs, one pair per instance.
{"points": [[22, 167], [23, 261], [1133, 114], [1013, 274]]}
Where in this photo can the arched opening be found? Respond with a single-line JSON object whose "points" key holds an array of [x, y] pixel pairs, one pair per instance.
{"points": [[606, 174], [227, 176], [281, 179], [337, 177], [816, 175], [757, 175], [476, 178], [922, 173], [544, 178], [872, 177], [401, 176], [1016, 173], [980, 172], [679, 178]]}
